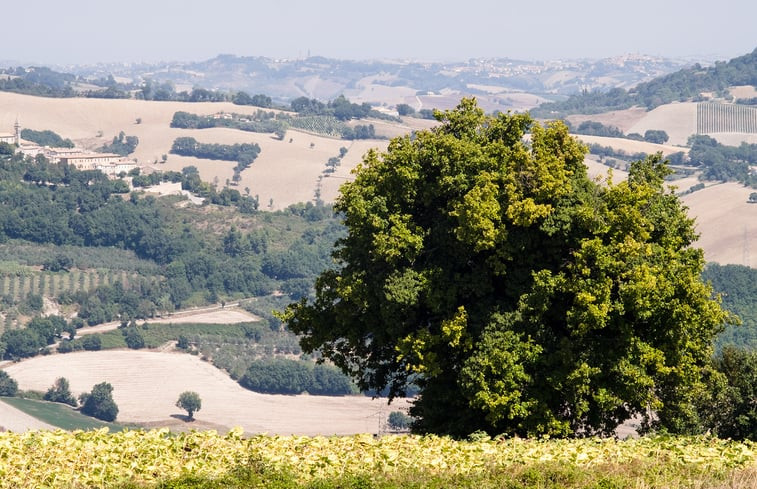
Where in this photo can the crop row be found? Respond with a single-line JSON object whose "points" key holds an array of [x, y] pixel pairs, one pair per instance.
{"points": [[101, 459], [717, 118], [18, 285]]}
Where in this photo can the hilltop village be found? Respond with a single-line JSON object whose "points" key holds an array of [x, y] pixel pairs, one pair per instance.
{"points": [[111, 164]]}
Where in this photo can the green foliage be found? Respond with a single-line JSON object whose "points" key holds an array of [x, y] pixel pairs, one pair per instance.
{"points": [[399, 421], [728, 406], [283, 376], [359, 132], [8, 385], [99, 403], [592, 128], [259, 100], [723, 163], [39, 81], [122, 145], [405, 109], [91, 342], [340, 107], [60, 263], [244, 153], [21, 343], [527, 298], [133, 338], [142, 257], [737, 285], [656, 136], [46, 138], [60, 392], [190, 402], [261, 121]]}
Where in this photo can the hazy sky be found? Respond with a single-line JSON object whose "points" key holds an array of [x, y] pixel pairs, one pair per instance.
{"points": [[85, 31]]}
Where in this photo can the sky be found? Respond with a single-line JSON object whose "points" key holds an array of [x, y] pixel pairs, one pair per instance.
{"points": [[57, 32]]}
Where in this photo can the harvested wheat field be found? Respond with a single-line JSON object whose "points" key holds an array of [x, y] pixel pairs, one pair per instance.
{"points": [[734, 138], [216, 316], [11, 419], [287, 172], [743, 91], [679, 120], [146, 386], [726, 222], [622, 119], [355, 151]]}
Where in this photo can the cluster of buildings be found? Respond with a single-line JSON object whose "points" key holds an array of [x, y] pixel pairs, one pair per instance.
{"points": [[108, 163]]}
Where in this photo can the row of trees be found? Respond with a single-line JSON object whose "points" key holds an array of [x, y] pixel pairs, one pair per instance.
{"points": [[244, 154], [593, 128], [262, 121], [46, 138], [340, 107], [723, 163], [283, 376]]}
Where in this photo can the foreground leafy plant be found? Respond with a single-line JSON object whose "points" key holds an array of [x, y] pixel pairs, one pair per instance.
{"points": [[149, 458]]}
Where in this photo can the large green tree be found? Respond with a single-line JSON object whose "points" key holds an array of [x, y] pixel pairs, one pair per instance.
{"points": [[521, 296], [99, 403]]}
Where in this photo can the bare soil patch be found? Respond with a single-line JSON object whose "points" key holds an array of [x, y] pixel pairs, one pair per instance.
{"points": [[622, 119], [726, 222], [679, 120], [146, 386], [743, 91]]}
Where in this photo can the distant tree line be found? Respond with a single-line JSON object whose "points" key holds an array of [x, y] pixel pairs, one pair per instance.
{"points": [[340, 107], [723, 163], [609, 151], [258, 100], [46, 138], [244, 154], [261, 121], [38, 81], [593, 128], [283, 376], [271, 122]]}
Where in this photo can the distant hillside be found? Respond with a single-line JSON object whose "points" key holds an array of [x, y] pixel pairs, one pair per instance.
{"points": [[499, 83], [687, 84]]}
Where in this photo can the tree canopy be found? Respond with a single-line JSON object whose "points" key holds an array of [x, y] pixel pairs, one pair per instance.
{"points": [[190, 402], [518, 294], [99, 403]]}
